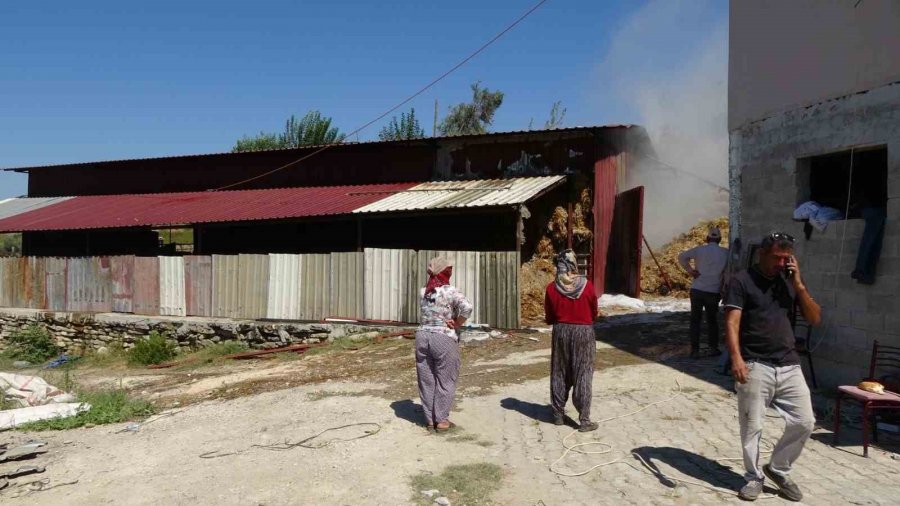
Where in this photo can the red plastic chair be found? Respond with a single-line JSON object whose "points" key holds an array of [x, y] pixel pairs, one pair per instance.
{"points": [[882, 357]]}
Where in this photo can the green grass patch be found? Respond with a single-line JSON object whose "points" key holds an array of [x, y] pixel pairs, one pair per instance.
{"points": [[107, 406], [463, 484], [33, 344], [211, 354], [153, 350], [115, 356]]}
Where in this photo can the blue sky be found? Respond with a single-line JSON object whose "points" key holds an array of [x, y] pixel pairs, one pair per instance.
{"points": [[82, 81]]}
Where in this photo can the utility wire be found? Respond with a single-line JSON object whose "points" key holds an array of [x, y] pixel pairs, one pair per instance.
{"points": [[689, 173], [401, 104]]}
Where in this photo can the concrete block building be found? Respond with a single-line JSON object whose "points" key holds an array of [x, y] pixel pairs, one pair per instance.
{"points": [[814, 114]]}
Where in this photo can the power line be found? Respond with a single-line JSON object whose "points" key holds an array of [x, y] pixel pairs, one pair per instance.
{"points": [[401, 104], [689, 173]]}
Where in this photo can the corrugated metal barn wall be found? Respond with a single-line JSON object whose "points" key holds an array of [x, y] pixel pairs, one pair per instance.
{"points": [[376, 284]]}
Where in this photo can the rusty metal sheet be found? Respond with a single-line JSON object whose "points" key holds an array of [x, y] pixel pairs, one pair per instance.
{"points": [[315, 286], [7, 282], [55, 285], [35, 282], [146, 286], [347, 280], [284, 287], [253, 272], [171, 286], [226, 297], [89, 286], [198, 285], [122, 283]]}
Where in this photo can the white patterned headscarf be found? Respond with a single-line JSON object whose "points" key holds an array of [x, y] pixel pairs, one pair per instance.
{"points": [[568, 281]]}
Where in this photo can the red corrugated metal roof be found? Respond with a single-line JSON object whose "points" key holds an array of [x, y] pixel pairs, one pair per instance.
{"points": [[163, 209]]}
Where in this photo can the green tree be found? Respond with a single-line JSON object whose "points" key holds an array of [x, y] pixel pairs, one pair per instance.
{"points": [[557, 114], [312, 129], [407, 128], [10, 244], [260, 142], [473, 117]]}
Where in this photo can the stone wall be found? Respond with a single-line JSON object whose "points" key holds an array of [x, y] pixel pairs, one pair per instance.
{"points": [[764, 168], [77, 332]]}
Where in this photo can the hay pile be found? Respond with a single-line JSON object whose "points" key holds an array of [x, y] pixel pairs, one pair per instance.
{"points": [[651, 281], [539, 271]]}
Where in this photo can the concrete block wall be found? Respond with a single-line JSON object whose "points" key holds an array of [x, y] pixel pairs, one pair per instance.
{"points": [[764, 165]]}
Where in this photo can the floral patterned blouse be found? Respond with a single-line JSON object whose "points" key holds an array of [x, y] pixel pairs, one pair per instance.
{"points": [[448, 303]]}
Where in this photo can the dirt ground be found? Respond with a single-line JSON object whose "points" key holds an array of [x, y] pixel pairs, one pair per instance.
{"points": [[212, 444]]}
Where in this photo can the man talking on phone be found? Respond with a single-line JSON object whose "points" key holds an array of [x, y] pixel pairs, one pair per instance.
{"points": [[760, 338]]}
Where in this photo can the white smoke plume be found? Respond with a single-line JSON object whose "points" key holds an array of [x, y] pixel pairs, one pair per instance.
{"points": [[670, 63]]}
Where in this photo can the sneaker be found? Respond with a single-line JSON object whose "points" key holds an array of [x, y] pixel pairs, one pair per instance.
{"points": [[751, 491], [788, 488], [588, 426], [558, 419]]}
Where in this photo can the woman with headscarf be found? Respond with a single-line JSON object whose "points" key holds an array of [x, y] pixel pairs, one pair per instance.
{"points": [[570, 305], [444, 310]]}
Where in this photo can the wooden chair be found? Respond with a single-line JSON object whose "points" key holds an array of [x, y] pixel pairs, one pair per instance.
{"points": [[883, 357], [802, 336]]}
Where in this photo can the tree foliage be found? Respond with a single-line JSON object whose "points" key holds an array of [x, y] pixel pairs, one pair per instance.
{"points": [[472, 118], [312, 129], [557, 115], [407, 128]]}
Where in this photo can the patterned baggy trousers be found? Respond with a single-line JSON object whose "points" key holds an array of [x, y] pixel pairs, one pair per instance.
{"points": [[572, 367], [437, 367]]}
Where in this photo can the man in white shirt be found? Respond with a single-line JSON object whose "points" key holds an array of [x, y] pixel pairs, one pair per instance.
{"points": [[709, 263]]}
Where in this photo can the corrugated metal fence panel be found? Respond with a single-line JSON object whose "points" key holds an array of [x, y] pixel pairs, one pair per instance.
{"points": [[55, 284], [198, 285], [498, 302], [6, 282], [171, 287], [284, 287], [226, 299], [122, 268], [146, 286], [347, 278], [89, 285], [15, 283], [253, 271], [35, 282], [315, 286], [387, 284]]}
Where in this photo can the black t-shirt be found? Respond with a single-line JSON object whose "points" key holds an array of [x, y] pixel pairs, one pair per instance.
{"points": [[766, 306]]}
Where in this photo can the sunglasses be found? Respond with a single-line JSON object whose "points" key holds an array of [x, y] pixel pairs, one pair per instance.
{"points": [[781, 236]]}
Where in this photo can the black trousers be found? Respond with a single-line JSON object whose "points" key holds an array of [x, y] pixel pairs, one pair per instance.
{"points": [[708, 302]]}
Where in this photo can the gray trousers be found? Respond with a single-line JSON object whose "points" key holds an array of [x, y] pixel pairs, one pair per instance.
{"points": [[783, 388], [437, 368]]}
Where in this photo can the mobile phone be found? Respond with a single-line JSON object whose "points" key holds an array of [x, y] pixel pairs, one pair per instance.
{"points": [[789, 271]]}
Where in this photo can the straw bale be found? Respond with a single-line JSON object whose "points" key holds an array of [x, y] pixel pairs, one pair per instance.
{"points": [[651, 281]]}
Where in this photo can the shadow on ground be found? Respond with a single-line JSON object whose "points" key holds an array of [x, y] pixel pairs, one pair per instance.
{"points": [[538, 412], [661, 338], [409, 411], [696, 467]]}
